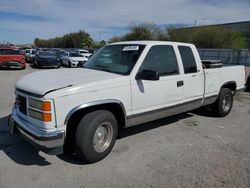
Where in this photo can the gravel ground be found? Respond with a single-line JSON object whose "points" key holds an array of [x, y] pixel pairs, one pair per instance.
{"points": [[186, 150]]}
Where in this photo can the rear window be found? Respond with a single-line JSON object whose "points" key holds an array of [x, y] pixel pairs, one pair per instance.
{"points": [[188, 59], [10, 52]]}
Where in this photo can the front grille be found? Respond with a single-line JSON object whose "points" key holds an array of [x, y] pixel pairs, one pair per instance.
{"points": [[21, 104], [12, 64]]}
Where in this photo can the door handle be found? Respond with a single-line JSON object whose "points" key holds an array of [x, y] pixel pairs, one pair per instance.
{"points": [[180, 83]]}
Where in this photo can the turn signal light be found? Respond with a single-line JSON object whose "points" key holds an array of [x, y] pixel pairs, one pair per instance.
{"points": [[46, 106], [47, 117]]}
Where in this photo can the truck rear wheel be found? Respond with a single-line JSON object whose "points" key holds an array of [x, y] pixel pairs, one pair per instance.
{"points": [[223, 105], [96, 135]]}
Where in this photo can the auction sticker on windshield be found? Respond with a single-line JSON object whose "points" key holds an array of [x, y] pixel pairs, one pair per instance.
{"points": [[130, 48]]}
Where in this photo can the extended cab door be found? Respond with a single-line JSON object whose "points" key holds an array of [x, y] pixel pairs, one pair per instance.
{"points": [[152, 96], [193, 78]]}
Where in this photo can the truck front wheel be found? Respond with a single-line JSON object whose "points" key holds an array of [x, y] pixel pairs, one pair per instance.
{"points": [[96, 135], [224, 103]]}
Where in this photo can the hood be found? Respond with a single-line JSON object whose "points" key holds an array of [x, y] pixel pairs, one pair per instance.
{"points": [[43, 82], [79, 58], [47, 57], [11, 57]]}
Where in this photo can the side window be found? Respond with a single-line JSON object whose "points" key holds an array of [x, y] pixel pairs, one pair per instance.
{"points": [[161, 59], [188, 60]]}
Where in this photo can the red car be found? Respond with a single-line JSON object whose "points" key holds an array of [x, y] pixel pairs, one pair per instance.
{"points": [[12, 58]]}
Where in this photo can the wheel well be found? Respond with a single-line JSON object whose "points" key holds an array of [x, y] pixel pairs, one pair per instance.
{"points": [[230, 85], [76, 117]]}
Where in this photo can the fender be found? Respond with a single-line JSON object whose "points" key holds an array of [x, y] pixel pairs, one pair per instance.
{"points": [[228, 83], [95, 103]]}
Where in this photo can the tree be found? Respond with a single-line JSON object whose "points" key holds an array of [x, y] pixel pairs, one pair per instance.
{"points": [[88, 43], [116, 39], [72, 40], [209, 37], [142, 31], [39, 42]]}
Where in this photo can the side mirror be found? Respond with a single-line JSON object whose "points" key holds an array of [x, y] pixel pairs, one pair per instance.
{"points": [[147, 75]]}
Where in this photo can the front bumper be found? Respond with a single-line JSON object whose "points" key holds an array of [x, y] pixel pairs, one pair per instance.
{"points": [[12, 64], [48, 142], [48, 64], [74, 63]]}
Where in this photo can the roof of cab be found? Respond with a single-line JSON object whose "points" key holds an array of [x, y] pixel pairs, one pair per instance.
{"points": [[148, 42]]}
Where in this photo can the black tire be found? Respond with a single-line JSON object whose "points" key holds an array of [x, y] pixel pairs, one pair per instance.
{"points": [[87, 132], [79, 65], [223, 105], [70, 64]]}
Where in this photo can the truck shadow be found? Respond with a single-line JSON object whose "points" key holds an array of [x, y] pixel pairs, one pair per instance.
{"points": [[247, 89], [72, 158], [126, 132], [204, 111], [22, 153], [17, 149]]}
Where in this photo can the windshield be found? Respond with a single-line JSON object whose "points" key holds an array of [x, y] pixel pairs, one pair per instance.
{"points": [[119, 59], [83, 51], [51, 54], [75, 55], [10, 52]]}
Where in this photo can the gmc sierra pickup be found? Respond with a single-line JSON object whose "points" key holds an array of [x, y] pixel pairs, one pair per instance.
{"points": [[123, 84]]}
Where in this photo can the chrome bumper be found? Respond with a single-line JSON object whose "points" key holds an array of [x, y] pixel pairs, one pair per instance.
{"points": [[48, 142]]}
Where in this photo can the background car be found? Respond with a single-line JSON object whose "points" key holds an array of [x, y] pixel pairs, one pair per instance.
{"points": [[12, 58], [27, 53], [61, 54], [32, 56], [46, 59], [74, 59], [85, 53]]}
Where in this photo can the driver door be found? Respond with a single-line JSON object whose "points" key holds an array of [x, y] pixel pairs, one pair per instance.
{"points": [[153, 96]]}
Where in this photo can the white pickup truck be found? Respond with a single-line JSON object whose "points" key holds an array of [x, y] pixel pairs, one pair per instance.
{"points": [[122, 85]]}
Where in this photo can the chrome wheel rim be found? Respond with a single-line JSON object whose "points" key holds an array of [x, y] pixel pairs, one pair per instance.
{"points": [[103, 137], [226, 103]]}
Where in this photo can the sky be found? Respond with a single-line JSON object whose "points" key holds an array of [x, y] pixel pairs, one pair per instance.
{"points": [[23, 20]]}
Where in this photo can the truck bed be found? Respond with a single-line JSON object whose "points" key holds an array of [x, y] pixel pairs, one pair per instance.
{"points": [[215, 78]]}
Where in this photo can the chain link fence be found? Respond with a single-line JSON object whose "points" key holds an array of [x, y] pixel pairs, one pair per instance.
{"points": [[228, 56]]}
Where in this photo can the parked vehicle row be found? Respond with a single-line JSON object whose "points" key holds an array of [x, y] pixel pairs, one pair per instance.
{"points": [[16, 58], [54, 58]]}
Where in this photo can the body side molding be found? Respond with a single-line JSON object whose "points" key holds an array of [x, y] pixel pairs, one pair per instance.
{"points": [[95, 103]]}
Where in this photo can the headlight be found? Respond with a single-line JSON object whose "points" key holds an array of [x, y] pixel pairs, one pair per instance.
{"points": [[40, 110], [40, 105]]}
